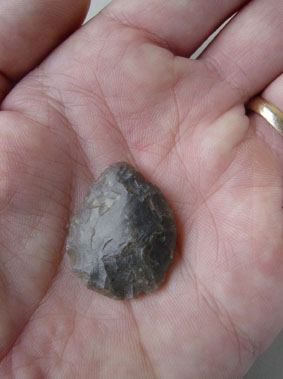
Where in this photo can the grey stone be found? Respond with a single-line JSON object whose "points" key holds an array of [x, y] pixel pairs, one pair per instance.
{"points": [[122, 239]]}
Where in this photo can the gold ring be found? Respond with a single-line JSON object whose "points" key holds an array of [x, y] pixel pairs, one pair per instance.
{"points": [[268, 111]]}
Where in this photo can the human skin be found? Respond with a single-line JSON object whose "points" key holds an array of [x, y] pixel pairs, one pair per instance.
{"points": [[122, 88]]}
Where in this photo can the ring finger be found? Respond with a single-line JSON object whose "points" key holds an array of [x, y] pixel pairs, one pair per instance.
{"points": [[274, 95]]}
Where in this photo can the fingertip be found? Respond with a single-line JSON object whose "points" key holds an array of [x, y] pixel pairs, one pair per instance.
{"points": [[33, 29]]}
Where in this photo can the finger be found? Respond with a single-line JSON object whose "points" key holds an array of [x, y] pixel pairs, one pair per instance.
{"points": [[274, 95], [248, 53], [180, 25], [29, 29]]}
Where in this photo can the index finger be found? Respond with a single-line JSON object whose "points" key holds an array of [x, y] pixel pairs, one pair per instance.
{"points": [[179, 25]]}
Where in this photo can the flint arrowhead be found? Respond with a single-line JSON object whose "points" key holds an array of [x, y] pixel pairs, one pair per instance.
{"points": [[122, 239]]}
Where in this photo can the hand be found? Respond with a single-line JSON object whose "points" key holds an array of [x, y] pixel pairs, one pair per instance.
{"points": [[122, 88]]}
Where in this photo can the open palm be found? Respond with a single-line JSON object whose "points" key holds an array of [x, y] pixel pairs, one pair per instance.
{"points": [[121, 88]]}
